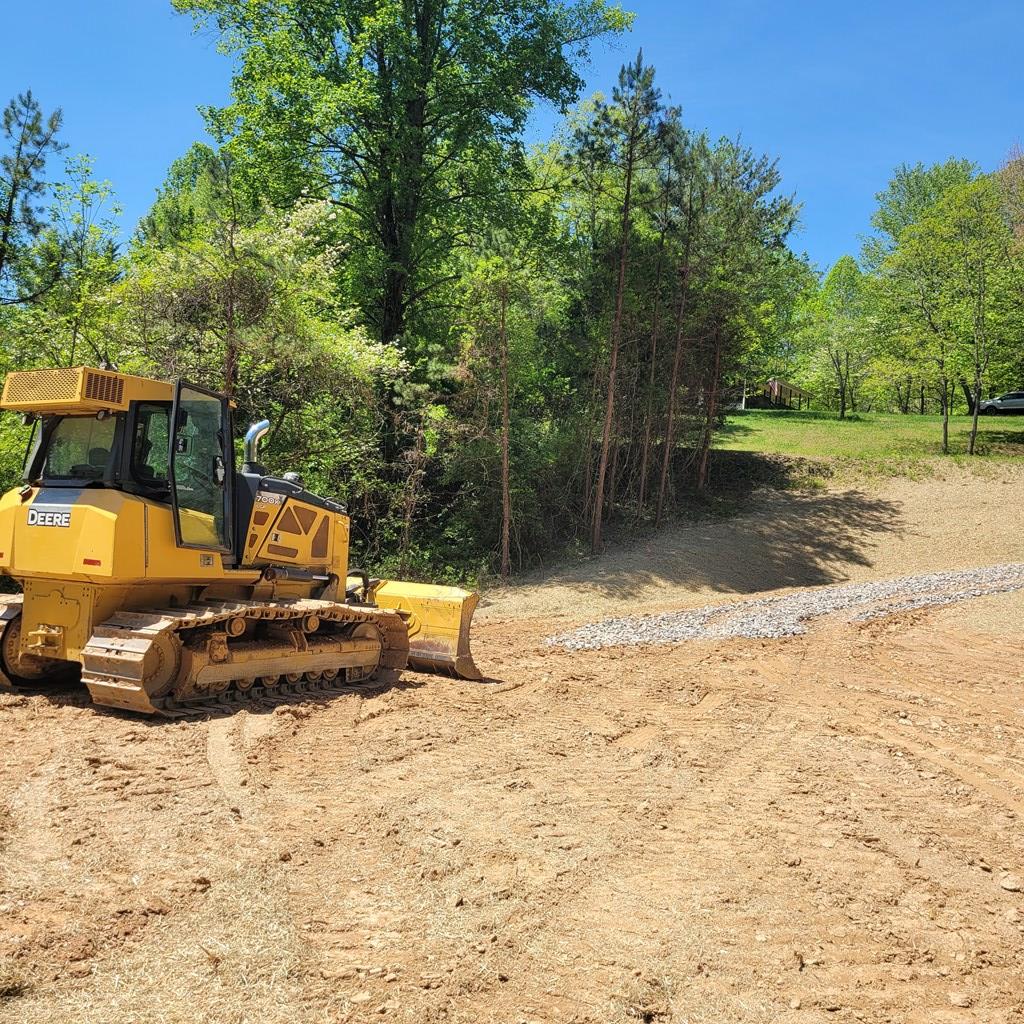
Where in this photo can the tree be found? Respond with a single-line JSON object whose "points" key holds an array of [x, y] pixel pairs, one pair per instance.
{"points": [[250, 309], [501, 447], [206, 266], [911, 191], [689, 197], [32, 139], [969, 234], [408, 115], [625, 137], [772, 345], [548, 329], [69, 271], [235, 296], [953, 285], [838, 330], [911, 279], [205, 190], [662, 224], [1010, 178], [729, 244], [496, 296]]}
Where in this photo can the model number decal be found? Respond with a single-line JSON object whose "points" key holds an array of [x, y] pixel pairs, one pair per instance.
{"points": [[269, 498], [48, 517]]}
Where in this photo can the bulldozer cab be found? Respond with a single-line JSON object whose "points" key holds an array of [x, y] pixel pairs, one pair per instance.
{"points": [[189, 467], [171, 444]]}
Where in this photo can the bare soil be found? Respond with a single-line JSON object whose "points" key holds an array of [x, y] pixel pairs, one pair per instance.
{"points": [[822, 828], [951, 518]]}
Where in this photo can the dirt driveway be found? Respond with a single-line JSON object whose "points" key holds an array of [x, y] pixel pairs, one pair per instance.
{"points": [[821, 828]]}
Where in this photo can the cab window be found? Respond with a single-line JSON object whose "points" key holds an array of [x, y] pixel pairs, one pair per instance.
{"points": [[79, 448], [32, 450], [201, 488], [150, 444]]}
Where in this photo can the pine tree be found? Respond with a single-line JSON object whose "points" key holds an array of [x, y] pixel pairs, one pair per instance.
{"points": [[31, 138], [626, 135]]}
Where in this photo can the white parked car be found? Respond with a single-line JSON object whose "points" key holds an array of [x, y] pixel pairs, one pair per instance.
{"points": [[1004, 405]]}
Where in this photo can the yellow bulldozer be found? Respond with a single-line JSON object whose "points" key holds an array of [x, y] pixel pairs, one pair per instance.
{"points": [[174, 583]]}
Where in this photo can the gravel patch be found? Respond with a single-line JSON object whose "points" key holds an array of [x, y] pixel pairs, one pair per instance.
{"points": [[774, 617]]}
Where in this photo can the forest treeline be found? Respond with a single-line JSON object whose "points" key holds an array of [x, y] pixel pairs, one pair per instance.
{"points": [[930, 318], [487, 350]]}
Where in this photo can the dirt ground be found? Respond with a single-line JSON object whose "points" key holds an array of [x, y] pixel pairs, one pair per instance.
{"points": [[956, 518], [822, 828]]}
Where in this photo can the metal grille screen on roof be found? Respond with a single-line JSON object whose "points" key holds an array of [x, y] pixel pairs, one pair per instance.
{"points": [[42, 386], [103, 388]]}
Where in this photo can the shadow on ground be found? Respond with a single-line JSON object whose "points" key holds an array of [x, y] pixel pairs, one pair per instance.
{"points": [[789, 540], [71, 692], [1005, 442]]}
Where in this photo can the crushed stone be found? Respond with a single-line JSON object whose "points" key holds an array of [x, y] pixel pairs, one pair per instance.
{"points": [[776, 617]]}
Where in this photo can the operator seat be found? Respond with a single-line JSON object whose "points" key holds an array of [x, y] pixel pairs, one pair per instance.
{"points": [[95, 467]]}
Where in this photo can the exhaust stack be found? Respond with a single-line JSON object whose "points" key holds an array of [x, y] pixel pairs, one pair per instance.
{"points": [[250, 448]]}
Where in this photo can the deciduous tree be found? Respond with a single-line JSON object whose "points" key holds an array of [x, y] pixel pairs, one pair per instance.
{"points": [[408, 115]]}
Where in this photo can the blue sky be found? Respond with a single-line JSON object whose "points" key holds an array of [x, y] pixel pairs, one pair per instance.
{"points": [[840, 93]]}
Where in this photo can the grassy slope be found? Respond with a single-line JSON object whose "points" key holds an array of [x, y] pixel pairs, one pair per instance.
{"points": [[877, 441]]}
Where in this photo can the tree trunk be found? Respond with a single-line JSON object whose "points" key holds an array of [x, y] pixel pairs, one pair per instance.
{"points": [[231, 365], [230, 333], [397, 212], [627, 476], [712, 412], [613, 471], [230, 344], [506, 491], [836, 359], [945, 416], [646, 449], [609, 411], [901, 400], [677, 359], [392, 323], [972, 400], [980, 353], [588, 450], [7, 218], [975, 408], [416, 458]]}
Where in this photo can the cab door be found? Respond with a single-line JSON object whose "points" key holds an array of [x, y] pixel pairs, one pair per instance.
{"points": [[201, 468]]}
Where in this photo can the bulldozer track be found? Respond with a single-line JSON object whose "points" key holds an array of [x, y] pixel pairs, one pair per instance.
{"points": [[263, 697], [154, 660], [233, 700]]}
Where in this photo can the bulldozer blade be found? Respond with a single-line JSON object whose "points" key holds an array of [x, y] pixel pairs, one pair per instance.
{"points": [[438, 619]]}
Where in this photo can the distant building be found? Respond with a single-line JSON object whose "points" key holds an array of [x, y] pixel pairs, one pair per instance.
{"points": [[779, 394]]}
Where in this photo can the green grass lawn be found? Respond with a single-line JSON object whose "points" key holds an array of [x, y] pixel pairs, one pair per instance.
{"points": [[874, 439]]}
